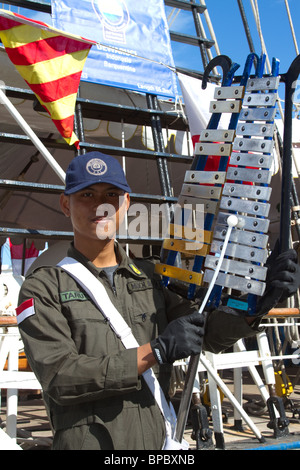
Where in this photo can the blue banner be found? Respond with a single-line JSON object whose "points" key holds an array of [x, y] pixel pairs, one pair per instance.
{"points": [[133, 44]]}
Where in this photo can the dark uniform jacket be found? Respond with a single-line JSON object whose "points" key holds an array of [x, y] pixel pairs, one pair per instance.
{"points": [[86, 374]]}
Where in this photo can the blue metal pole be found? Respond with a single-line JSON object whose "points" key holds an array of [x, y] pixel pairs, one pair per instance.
{"points": [[282, 446]]}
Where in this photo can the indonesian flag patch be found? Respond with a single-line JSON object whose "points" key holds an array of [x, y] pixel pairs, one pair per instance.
{"points": [[25, 310]]}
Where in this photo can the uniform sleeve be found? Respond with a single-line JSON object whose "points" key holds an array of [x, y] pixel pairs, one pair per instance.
{"points": [[67, 376], [224, 327]]}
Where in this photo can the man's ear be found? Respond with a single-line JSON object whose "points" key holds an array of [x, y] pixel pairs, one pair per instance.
{"points": [[127, 201], [65, 204]]}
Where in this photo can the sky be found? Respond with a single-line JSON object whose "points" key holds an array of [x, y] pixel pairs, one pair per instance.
{"points": [[227, 24]]}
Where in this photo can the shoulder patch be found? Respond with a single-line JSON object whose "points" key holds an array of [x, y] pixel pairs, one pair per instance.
{"points": [[25, 310], [135, 269]]}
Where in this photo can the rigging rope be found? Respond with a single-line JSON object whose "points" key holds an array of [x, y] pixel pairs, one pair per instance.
{"points": [[210, 28], [291, 26], [258, 26], [264, 50]]}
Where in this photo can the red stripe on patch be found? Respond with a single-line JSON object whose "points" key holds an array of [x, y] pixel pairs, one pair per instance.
{"points": [[25, 310]]}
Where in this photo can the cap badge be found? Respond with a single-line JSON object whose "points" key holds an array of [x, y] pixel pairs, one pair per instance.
{"points": [[96, 167]]}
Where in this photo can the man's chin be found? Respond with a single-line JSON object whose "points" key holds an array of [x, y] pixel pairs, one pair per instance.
{"points": [[105, 234]]}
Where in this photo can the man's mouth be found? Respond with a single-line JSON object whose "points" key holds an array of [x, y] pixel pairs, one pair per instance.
{"points": [[101, 219]]}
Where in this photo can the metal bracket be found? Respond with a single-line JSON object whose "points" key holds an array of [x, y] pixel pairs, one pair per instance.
{"points": [[201, 432], [279, 425]]}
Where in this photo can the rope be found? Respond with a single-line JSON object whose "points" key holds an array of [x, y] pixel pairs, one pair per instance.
{"points": [[259, 30], [173, 15], [210, 28], [264, 51], [291, 26]]}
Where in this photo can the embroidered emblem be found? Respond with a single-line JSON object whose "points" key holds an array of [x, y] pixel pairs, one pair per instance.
{"points": [[135, 269], [25, 310], [96, 167]]}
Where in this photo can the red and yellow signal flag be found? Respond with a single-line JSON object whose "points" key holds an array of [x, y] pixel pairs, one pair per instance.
{"points": [[51, 63]]}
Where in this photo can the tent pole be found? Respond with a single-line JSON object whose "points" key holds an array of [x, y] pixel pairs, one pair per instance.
{"points": [[78, 123], [33, 137]]}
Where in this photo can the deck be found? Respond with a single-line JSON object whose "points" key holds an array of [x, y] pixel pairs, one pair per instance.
{"points": [[34, 433]]}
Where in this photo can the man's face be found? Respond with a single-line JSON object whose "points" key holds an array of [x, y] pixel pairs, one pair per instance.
{"points": [[97, 211]]}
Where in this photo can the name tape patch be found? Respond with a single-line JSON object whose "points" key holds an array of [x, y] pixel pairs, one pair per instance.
{"points": [[72, 295], [136, 286]]}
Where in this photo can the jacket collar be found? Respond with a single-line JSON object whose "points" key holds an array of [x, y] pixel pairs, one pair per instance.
{"points": [[125, 263]]}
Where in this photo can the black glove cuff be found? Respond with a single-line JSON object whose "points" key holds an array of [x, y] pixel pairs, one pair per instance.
{"points": [[268, 301], [158, 351]]}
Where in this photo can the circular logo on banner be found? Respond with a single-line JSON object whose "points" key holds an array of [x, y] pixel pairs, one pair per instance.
{"points": [[96, 167]]}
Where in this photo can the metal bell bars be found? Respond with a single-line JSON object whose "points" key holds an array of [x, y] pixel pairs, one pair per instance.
{"points": [[239, 185], [230, 174]]}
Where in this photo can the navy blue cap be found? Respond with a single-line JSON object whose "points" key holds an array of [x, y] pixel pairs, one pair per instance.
{"points": [[94, 167]]}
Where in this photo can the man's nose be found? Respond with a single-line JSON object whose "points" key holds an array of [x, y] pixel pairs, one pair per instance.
{"points": [[105, 210]]}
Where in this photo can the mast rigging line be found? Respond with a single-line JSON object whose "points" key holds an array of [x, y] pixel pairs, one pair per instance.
{"points": [[254, 5], [291, 26], [255, 10]]}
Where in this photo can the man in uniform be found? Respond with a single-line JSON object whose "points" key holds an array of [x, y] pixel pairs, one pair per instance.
{"points": [[94, 389]]}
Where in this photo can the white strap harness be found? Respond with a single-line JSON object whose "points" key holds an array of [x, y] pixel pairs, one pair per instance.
{"points": [[98, 294]]}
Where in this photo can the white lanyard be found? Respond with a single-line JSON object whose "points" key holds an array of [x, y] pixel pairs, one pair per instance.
{"points": [[98, 294]]}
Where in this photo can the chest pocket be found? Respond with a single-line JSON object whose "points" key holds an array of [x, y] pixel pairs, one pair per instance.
{"points": [[147, 312], [90, 332]]}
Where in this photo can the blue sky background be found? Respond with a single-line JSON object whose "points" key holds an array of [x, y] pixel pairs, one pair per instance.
{"points": [[231, 38], [226, 18], [229, 30]]}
